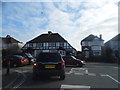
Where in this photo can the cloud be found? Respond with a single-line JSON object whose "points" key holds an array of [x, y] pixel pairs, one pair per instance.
{"points": [[73, 20]]}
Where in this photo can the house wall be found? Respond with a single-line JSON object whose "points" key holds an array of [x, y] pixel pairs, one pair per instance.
{"points": [[92, 43], [49, 46], [11, 48], [97, 43], [0, 48], [115, 46], [94, 48]]}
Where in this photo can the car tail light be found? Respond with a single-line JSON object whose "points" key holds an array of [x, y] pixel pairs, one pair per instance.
{"points": [[63, 64], [22, 60], [9, 63], [26, 60]]}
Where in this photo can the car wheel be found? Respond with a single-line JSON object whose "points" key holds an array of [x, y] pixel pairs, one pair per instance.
{"points": [[14, 65], [62, 77], [77, 64], [29, 63], [80, 65]]}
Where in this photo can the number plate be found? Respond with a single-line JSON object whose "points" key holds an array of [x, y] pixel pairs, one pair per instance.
{"points": [[50, 66]]}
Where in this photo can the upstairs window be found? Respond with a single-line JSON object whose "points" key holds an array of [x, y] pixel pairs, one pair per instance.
{"points": [[96, 53]]}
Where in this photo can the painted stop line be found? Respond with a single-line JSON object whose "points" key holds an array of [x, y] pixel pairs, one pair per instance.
{"points": [[74, 87]]}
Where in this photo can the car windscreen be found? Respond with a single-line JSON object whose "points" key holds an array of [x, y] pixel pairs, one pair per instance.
{"points": [[73, 57], [49, 57]]}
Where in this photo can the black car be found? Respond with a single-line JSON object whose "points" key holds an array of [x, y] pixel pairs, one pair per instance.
{"points": [[14, 60], [49, 64]]}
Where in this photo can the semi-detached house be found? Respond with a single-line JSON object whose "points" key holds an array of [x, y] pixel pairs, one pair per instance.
{"points": [[10, 45], [48, 43], [114, 45], [92, 46]]}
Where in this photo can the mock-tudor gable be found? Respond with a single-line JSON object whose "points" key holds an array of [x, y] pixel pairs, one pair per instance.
{"points": [[48, 43]]}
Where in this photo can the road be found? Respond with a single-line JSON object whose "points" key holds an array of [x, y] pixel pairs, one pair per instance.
{"points": [[92, 75]]}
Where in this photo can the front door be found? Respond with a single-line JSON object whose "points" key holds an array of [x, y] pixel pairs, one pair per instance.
{"points": [[87, 54]]}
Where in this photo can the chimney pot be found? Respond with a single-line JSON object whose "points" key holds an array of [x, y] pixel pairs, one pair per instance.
{"points": [[8, 36], [49, 32], [100, 36]]}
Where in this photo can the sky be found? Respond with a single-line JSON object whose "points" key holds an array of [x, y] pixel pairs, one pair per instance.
{"points": [[73, 20]]}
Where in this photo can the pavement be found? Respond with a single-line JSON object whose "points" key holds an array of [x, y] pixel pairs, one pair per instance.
{"points": [[7, 80]]}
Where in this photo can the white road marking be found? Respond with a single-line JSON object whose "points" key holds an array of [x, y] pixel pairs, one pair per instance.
{"points": [[86, 72], [80, 71], [106, 75], [115, 67], [113, 78], [22, 81], [68, 72], [103, 75], [91, 74], [8, 86], [74, 87], [79, 74], [24, 71]]}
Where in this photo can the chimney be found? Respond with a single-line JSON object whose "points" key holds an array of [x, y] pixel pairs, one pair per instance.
{"points": [[8, 36], [49, 32], [100, 36]]}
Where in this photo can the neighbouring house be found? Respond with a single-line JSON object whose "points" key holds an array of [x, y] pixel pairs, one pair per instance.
{"points": [[10, 45], [0, 47], [112, 47], [92, 46], [48, 43]]}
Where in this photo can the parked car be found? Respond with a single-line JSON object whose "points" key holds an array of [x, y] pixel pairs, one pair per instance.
{"points": [[28, 56], [14, 60], [71, 60], [49, 64]]}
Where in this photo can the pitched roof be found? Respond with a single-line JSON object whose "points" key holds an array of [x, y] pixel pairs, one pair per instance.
{"points": [[53, 37], [91, 37], [116, 38], [8, 39]]}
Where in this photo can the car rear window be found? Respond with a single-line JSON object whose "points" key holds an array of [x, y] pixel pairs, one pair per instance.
{"points": [[49, 57], [18, 56], [29, 55]]}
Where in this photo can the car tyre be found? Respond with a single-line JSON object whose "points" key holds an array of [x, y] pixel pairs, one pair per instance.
{"points": [[14, 65], [29, 63], [62, 77], [78, 65]]}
